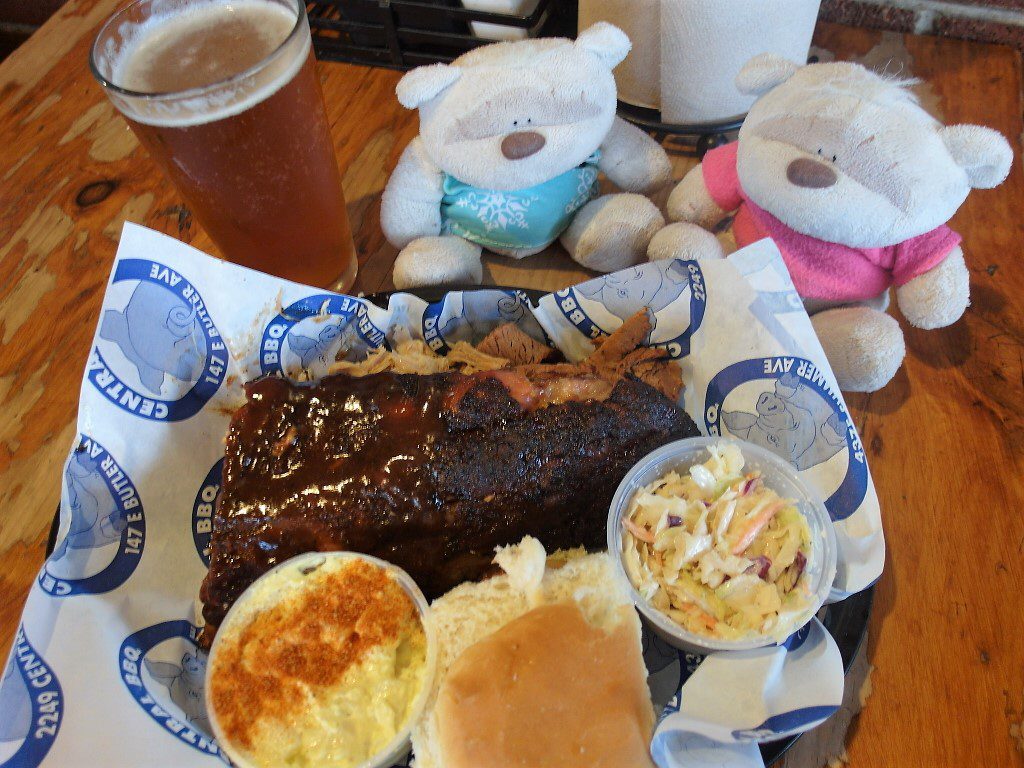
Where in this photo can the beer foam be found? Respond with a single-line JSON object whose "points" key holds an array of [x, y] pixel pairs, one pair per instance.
{"points": [[134, 65]]}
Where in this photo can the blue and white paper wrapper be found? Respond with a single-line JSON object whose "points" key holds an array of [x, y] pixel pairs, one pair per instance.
{"points": [[105, 668], [730, 702]]}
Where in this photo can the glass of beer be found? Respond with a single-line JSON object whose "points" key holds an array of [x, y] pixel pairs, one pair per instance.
{"points": [[224, 95]]}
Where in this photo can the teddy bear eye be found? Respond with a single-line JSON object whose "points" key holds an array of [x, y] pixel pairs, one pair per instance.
{"points": [[819, 150], [515, 122]]}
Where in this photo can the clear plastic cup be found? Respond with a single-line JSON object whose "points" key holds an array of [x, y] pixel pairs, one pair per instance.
{"points": [[776, 474], [250, 152], [302, 564]]}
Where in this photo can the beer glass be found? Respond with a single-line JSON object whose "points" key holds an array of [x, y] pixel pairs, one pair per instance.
{"points": [[224, 96]]}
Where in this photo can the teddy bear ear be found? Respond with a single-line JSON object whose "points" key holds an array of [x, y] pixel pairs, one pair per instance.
{"points": [[984, 154], [764, 72], [420, 85], [606, 41]]}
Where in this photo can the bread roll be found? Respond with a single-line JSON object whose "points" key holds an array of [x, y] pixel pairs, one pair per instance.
{"points": [[506, 604]]}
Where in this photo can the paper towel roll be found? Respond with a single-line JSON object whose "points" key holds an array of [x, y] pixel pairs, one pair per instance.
{"points": [[638, 77], [705, 42]]}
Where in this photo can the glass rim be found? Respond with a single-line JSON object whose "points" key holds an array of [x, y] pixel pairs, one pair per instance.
{"points": [[199, 90]]}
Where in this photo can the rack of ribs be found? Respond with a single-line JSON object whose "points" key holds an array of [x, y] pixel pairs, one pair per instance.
{"points": [[432, 472]]}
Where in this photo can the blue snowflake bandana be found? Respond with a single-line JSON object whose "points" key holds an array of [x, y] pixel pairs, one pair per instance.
{"points": [[521, 219]]}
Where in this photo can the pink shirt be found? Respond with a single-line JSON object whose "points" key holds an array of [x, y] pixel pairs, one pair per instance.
{"points": [[822, 270]]}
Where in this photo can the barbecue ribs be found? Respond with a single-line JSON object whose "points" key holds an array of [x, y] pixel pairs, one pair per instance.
{"points": [[430, 472]]}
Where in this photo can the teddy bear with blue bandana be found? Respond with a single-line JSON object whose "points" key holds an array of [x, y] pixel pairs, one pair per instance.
{"points": [[512, 138]]}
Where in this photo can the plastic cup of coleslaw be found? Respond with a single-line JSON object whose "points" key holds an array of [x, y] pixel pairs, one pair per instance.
{"points": [[776, 474]]}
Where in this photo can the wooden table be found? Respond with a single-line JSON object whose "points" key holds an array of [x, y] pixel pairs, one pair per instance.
{"points": [[946, 438]]}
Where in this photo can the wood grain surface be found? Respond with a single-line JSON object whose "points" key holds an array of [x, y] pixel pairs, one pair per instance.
{"points": [[945, 438]]}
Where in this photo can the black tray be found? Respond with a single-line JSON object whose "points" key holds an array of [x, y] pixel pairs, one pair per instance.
{"points": [[401, 34], [847, 621]]}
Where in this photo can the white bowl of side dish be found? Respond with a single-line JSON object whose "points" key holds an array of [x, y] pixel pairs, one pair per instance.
{"points": [[779, 480], [371, 622]]}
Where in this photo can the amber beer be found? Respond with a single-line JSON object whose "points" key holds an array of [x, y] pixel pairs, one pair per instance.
{"points": [[225, 97]]}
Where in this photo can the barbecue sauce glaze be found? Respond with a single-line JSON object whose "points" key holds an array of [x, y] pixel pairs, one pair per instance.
{"points": [[430, 472]]}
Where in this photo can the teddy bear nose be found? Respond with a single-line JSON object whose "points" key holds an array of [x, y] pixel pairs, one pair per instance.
{"points": [[521, 144], [804, 172]]}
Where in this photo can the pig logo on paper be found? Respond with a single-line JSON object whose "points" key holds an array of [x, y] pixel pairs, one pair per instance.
{"points": [[202, 510], [164, 670], [184, 683], [785, 404], [668, 668], [106, 526], [599, 306], [309, 335], [159, 356], [470, 315], [31, 707]]}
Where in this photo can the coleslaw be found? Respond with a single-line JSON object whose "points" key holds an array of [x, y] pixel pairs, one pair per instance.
{"points": [[719, 552]]}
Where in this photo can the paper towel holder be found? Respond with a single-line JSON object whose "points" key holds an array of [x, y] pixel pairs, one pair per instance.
{"points": [[694, 139]]}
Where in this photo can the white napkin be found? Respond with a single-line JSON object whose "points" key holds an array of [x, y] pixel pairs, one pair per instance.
{"points": [[105, 668], [735, 700]]}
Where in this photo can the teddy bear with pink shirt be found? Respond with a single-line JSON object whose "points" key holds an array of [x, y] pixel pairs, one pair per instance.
{"points": [[854, 182]]}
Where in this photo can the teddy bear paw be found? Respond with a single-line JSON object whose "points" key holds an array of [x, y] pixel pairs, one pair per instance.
{"points": [[612, 232], [864, 346], [444, 260], [684, 241], [939, 297], [691, 201]]}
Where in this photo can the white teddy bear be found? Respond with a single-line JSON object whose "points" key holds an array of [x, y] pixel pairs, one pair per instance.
{"points": [[854, 182], [512, 136]]}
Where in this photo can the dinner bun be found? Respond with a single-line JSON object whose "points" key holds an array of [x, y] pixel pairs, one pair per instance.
{"points": [[473, 612]]}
